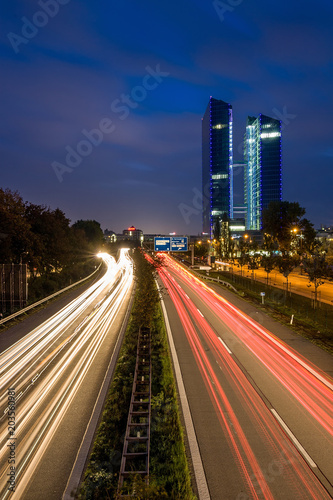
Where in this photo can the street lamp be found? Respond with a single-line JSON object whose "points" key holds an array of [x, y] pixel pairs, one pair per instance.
{"points": [[293, 234]]}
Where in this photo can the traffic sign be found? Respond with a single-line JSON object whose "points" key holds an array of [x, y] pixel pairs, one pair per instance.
{"points": [[161, 244], [170, 244], [179, 244]]}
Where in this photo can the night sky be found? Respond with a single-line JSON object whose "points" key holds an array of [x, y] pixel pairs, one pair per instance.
{"points": [[142, 73]]}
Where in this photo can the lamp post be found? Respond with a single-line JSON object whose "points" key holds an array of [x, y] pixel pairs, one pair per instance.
{"points": [[295, 231], [192, 254]]}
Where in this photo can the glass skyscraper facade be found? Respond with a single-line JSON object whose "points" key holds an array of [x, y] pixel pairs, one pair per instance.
{"points": [[263, 172], [217, 160]]}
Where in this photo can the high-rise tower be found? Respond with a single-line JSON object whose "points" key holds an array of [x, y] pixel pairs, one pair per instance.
{"points": [[263, 172], [217, 162]]}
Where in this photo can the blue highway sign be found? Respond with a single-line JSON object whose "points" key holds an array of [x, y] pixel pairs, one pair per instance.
{"points": [[170, 244], [179, 244], [161, 244]]}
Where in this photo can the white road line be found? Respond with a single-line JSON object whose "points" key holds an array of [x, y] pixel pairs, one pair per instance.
{"points": [[192, 438], [225, 345], [187, 296], [200, 313], [282, 346], [294, 439]]}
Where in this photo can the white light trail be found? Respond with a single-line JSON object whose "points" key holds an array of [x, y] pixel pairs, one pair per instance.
{"points": [[49, 364]]}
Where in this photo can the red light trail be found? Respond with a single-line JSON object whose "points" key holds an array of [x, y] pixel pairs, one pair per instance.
{"points": [[299, 378]]}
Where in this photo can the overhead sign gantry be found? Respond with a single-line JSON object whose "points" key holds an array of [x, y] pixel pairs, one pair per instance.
{"points": [[170, 244]]}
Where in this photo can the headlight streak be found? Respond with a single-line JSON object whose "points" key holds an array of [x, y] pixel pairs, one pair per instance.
{"points": [[38, 339], [82, 346], [47, 384], [302, 482], [67, 393], [45, 336]]}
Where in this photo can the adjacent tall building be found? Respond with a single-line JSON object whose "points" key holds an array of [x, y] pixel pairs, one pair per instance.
{"points": [[262, 166], [217, 162], [263, 172]]}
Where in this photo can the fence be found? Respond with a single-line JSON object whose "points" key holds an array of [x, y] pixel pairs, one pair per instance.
{"points": [[283, 300]]}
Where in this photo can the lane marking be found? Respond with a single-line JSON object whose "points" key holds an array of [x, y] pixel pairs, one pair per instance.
{"points": [[203, 491], [294, 439], [283, 346], [225, 345], [200, 313], [270, 336]]}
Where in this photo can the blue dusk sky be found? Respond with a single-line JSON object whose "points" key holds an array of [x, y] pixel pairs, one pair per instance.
{"points": [[101, 102]]}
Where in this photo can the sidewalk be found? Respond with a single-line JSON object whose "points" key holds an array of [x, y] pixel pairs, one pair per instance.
{"points": [[297, 283]]}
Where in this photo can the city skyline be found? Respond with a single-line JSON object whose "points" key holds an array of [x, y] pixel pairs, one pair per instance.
{"points": [[102, 104], [217, 161], [263, 172]]}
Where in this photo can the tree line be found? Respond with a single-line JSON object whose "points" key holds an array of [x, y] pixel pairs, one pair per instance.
{"points": [[288, 241], [44, 239]]}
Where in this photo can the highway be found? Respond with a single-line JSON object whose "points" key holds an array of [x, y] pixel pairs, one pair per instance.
{"points": [[49, 382], [262, 412]]}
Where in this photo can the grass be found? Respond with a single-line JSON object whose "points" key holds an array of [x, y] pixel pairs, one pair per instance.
{"points": [[169, 472]]}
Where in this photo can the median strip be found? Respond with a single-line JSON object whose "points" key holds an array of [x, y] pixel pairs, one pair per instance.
{"points": [[169, 474]]}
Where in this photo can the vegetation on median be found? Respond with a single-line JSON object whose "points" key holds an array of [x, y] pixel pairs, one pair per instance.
{"points": [[169, 473]]}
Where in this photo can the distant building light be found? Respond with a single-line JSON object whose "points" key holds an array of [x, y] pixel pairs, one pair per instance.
{"points": [[220, 176], [270, 135]]}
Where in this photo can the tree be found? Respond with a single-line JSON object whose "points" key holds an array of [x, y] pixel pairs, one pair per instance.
{"points": [[253, 257], [15, 231], [243, 258], [51, 238], [327, 247], [286, 264], [232, 250], [268, 262], [201, 250], [280, 220], [316, 268], [308, 242], [93, 233], [269, 258]]}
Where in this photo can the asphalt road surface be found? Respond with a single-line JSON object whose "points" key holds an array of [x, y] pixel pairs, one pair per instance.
{"points": [[50, 380], [262, 410]]}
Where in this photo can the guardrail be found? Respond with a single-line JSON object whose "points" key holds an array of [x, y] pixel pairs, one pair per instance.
{"points": [[209, 278], [35, 304], [217, 280]]}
